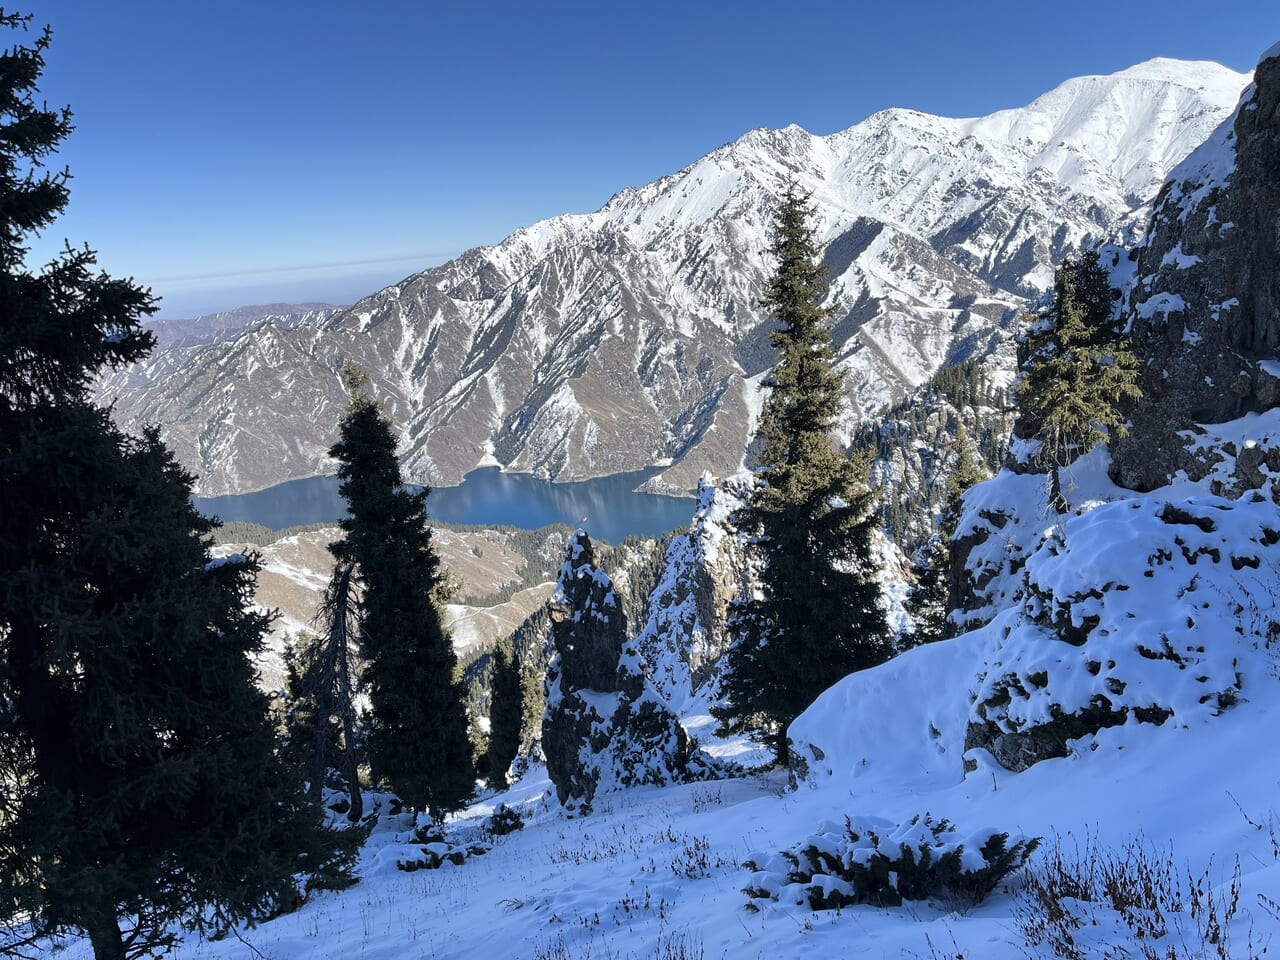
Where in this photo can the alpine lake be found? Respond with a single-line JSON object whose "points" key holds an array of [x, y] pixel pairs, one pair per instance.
{"points": [[608, 508]]}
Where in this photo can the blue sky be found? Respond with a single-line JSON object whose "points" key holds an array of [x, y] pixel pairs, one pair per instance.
{"points": [[236, 152]]}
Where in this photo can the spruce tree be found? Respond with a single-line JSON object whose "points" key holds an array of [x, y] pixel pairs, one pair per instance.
{"points": [[323, 685], [817, 616], [1079, 370], [417, 738], [506, 712], [141, 786]]}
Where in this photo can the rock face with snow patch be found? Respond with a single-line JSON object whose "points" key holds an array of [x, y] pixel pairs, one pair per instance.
{"points": [[1205, 307], [704, 569], [605, 725]]}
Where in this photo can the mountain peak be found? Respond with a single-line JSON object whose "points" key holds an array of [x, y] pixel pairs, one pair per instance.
{"points": [[1182, 72]]}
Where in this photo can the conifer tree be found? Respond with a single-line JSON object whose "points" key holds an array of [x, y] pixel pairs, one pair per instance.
{"points": [[506, 712], [818, 615], [417, 738], [323, 686], [141, 785], [1079, 369]]}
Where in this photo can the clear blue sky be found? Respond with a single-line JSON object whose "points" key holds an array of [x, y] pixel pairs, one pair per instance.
{"points": [[232, 152]]}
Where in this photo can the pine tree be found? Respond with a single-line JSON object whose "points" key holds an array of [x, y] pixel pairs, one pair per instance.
{"points": [[141, 785], [818, 615], [417, 739], [1079, 370], [506, 712], [323, 686]]}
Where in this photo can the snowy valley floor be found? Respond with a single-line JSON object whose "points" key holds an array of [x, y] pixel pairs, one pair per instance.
{"points": [[657, 872]]}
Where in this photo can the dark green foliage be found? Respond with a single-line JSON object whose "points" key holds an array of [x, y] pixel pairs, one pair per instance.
{"points": [[141, 786], [818, 617], [240, 531], [417, 738], [505, 820], [637, 564], [1079, 368], [323, 675], [531, 642], [335, 869], [506, 711], [927, 602], [863, 866]]}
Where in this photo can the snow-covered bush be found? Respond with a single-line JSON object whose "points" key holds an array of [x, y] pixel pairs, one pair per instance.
{"points": [[877, 862], [437, 850], [436, 855], [1140, 610], [504, 820]]}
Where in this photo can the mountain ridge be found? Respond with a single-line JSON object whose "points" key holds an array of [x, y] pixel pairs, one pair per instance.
{"points": [[631, 336]]}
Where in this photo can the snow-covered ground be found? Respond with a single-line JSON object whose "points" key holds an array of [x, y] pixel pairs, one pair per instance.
{"points": [[657, 872]]}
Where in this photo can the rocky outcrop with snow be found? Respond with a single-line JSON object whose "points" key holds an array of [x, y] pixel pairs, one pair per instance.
{"points": [[703, 571], [1147, 609], [1155, 609], [605, 726], [1205, 308], [1128, 610], [590, 344]]}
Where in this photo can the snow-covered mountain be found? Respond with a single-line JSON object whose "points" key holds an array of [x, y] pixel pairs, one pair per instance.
{"points": [[590, 344], [212, 327]]}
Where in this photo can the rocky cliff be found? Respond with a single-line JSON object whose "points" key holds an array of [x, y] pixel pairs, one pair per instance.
{"points": [[1205, 304], [704, 569], [1152, 602]]}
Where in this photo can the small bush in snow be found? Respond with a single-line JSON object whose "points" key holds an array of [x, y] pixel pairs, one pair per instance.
{"points": [[436, 855], [504, 820], [876, 862]]}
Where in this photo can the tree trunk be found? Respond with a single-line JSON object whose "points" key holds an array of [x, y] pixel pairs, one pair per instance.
{"points": [[341, 638], [104, 935], [350, 772], [1057, 502]]}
